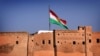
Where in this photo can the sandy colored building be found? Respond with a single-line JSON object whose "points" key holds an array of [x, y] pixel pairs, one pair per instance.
{"points": [[81, 42]]}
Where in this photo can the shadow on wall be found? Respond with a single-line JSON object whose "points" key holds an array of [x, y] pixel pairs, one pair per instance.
{"points": [[6, 48]]}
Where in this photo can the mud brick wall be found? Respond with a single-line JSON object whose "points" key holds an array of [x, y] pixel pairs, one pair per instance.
{"points": [[41, 45], [13, 43], [96, 43]]}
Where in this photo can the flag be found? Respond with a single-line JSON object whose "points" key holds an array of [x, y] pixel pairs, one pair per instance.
{"points": [[63, 22], [54, 19]]}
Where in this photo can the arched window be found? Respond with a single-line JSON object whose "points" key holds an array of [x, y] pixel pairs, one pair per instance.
{"points": [[98, 40], [43, 42], [17, 42], [49, 42], [89, 40]]}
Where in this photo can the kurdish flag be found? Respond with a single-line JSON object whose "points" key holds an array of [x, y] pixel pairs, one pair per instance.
{"points": [[54, 19]]}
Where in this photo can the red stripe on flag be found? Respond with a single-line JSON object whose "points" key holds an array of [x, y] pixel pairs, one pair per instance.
{"points": [[64, 21], [53, 13]]}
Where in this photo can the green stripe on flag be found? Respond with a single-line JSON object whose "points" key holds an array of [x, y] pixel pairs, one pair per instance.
{"points": [[58, 23]]}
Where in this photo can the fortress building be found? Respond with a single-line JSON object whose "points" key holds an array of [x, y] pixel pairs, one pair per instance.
{"points": [[81, 42]]}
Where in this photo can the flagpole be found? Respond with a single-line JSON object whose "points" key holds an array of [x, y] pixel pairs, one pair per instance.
{"points": [[49, 18]]}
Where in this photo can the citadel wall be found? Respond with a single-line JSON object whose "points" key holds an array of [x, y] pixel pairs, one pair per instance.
{"points": [[41, 45], [73, 42], [96, 43], [67, 42], [81, 42], [13, 43]]}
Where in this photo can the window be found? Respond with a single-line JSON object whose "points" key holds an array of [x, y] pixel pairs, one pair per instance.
{"points": [[43, 42], [49, 42], [89, 40], [82, 28], [83, 42], [74, 42], [89, 34], [58, 34], [32, 40], [98, 40], [58, 41], [17, 42]]}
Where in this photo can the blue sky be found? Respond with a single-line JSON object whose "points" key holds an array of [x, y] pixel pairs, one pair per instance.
{"points": [[33, 15]]}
